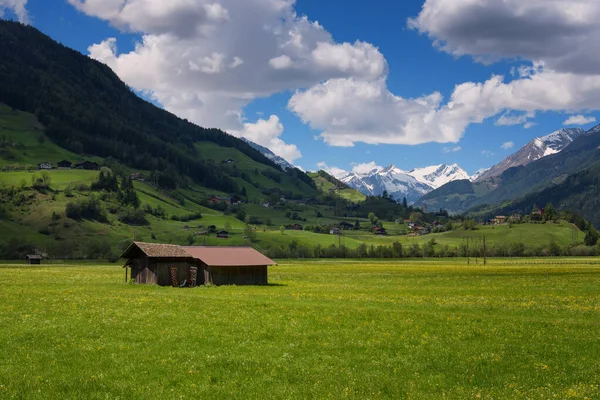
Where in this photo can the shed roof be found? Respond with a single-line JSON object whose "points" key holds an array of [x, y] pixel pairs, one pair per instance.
{"points": [[157, 250], [235, 256], [34, 256]]}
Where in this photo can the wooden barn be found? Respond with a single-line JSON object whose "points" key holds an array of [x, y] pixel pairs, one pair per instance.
{"points": [[172, 265], [152, 263], [231, 265], [33, 259]]}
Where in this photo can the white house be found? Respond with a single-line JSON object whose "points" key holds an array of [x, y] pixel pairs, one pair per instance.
{"points": [[45, 165]]}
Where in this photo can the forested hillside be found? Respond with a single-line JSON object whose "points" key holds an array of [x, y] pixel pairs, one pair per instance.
{"points": [[564, 178], [579, 191], [87, 109]]}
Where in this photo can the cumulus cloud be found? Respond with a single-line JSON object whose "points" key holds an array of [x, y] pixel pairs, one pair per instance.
{"points": [[508, 119], [267, 133], [579, 120], [372, 114], [487, 153], [451, 149], [365, 168], [507, 145], [205, 60], [18, 7], [562, 33]]}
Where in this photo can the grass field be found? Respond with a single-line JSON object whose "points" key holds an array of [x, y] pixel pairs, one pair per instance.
{"points": [[343, 329]]}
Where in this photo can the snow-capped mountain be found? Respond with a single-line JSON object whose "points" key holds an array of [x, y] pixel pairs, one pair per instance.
{"points": [[269, 154], [399, 183], [438, 175], [534, 150]]}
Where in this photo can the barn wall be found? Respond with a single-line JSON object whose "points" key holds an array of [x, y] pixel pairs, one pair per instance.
{"points": [[252, 275], [162, 268]]}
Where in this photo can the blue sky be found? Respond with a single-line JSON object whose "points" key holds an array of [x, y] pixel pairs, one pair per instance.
{"points": [[391, 59]]}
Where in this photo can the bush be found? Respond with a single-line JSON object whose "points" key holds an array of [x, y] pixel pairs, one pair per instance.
{"points": [[186, 217], [131, 216], [89, 208]]}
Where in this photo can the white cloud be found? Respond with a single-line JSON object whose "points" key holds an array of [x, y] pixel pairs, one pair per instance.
{"points": [[507, 145], [205, 60], [365, 168], [375, 115], [451, 149], [18, 7], [579, 120], [281, 62], [508, 119], [562, 33], [333, 171], [267, 133], [487, 153], [528, 125]]}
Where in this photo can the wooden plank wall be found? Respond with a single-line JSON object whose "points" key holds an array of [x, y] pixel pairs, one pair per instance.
{"points": [[254, 275], [163, 266]]}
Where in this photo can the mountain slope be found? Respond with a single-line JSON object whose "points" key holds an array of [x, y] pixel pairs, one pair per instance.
{"points": [[87, 109], [270, 155], [398, 183], [534, 150], [327, 183], [395, 181], [579, 192], [517, 182], [438, 175]]}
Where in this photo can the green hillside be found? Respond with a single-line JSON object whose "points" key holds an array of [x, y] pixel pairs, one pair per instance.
{"points": [[327, 184], [56, 104], [86, 109], [579, 191], [567, 179]]}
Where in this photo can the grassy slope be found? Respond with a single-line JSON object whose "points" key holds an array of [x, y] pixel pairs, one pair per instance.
{"points": [[27, 221], [23, 128], [529, 234], [244, 163], [349, 194], [417, 330]]}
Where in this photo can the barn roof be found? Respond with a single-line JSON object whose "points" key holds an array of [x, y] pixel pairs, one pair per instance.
{"points": [[157, 250], [235, 256], [34, 256]]}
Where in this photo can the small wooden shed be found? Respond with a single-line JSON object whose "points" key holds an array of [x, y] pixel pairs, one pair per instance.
{"points": [[33, 259], [165, 265], [151, 263]]}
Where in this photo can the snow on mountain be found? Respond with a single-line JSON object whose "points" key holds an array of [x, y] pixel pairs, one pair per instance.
{"points": [[269, 154], [399, 183], [534, 150], [478, 173], [438, 175]]}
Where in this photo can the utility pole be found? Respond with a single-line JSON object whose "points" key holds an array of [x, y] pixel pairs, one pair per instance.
{"points": [[468, 257], [484, 252]]}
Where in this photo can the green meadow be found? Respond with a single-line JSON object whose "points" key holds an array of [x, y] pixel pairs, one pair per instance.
{"points": [[322, 329]]}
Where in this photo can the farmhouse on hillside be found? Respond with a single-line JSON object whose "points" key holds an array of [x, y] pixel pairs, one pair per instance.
{"points": [[89, 165], [172, 265], [64, 164]]}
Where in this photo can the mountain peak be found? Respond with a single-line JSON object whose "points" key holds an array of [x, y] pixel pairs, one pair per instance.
{"points": [[400, 183], [536, 149]]}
